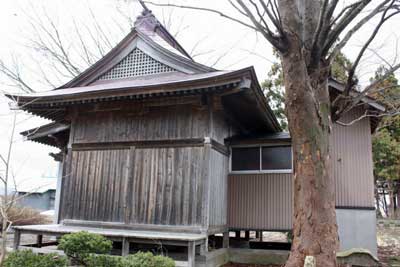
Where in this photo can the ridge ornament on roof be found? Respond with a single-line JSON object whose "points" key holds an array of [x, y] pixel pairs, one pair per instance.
{"points": [[150, 37], [148, 64]]}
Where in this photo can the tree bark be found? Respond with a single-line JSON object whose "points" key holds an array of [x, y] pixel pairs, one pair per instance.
{"points": [[308, 112]]}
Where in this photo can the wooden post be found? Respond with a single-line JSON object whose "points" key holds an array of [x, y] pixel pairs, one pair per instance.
{"points": [[191, 254], [257, 234], [261, 236], [39, 241], [125, 246], [237, 234], [225, 240], [204, 247], [247, 235], [17, 239]]}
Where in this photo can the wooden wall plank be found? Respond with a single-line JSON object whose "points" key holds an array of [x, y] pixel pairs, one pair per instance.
{"points": [[95, 190], [164, 186], [178, 122]]}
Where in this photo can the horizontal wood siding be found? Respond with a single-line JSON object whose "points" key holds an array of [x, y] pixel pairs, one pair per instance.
{"points": [[260, 201], [94, 185], [146, 124], [218, 189], [352, 165], [167, 186]]}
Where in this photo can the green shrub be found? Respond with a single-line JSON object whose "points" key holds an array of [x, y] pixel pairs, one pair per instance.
{"points": [[95, 260], [139, 259], [147, 259], [86, 249], [79, 246], [26, 258]]}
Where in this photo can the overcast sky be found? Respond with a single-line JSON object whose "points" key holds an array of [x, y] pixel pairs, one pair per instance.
{"points": [[215, 40]]}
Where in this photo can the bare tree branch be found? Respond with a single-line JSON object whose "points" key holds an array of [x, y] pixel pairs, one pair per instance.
{"points": [[355, 28], [350, 82], [367, 115], [276, 41], [272, 15], [207, 10], [15, 76], [346, 19]]}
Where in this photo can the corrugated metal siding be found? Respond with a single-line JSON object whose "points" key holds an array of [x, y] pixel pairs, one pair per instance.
{"points": [[260, 201], [352, 164], [263, 201], [218, 189]]}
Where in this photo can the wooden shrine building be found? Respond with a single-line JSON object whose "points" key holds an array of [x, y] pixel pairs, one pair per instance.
{"points": [[155, 146]]}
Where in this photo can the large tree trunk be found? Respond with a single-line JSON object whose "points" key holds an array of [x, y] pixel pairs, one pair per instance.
{"points": [[308, 111]]}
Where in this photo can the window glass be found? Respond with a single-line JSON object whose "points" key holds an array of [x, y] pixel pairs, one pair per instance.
{"points": [[277, 158], [246, 159]]}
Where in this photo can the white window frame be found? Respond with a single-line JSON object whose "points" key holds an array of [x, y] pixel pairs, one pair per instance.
{"points": [[260, 170]]}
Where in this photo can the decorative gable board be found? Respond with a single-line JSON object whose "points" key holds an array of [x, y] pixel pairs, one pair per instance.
{"points": [[136, 63]]}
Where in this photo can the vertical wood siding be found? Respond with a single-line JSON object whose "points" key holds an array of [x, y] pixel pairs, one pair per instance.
{"points": [[352, 165], [94, 187], [154, 124], [260, 201], [167, 186], [159, 186], [218, 189]]}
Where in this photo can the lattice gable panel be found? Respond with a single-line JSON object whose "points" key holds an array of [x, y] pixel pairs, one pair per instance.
{"points": [[136, 63]]}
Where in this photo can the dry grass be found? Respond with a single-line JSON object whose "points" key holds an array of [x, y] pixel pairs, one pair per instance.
{"points": [[26, 216]]}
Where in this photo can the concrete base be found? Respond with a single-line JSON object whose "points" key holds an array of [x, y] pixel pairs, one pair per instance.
{"points": [[222, 256], [219, 257], [357, 229], [214, 258], [258, 256]]}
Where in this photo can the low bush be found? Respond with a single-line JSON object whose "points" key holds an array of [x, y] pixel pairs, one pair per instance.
{"points": [[96, 260], [78, 246], [88, 249], [147, 259], [140, 259], [26, 258]]}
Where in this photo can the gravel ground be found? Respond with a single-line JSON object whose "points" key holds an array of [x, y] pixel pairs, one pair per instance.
{"points": [[389, 246]]}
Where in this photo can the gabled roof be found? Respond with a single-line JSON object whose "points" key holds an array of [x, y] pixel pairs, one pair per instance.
{"points": [[150, 63], [149, 37]]}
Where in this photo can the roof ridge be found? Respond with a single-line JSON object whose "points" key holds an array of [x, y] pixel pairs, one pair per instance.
{"points": [[147, 22]]}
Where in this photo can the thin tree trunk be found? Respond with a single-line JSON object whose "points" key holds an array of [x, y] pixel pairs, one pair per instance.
{"points": [[397, 199], [308, 111], [385, 205], [6, 204], [378, 205], [391, 199]]}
